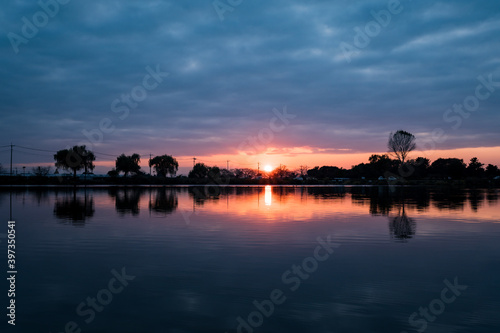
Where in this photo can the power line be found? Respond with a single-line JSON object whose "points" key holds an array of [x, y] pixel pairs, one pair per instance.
{"points": [[25, 152], [98, 153], [50, 151], [22, 149]]}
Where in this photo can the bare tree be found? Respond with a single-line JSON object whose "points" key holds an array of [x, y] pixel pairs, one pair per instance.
{"points": [[401, 144], [41, 171]]}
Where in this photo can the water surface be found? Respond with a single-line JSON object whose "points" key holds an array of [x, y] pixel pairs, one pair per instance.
{"points": [[201, 257]]}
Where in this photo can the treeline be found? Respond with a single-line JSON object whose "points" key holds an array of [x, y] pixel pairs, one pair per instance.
{"points": [[379, 168], [419, 168]]}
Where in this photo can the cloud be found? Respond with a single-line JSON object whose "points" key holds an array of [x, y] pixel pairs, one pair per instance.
{"points": [[227, 76]]}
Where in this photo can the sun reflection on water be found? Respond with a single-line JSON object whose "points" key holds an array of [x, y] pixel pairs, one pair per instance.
{"points": [[268, 194]]}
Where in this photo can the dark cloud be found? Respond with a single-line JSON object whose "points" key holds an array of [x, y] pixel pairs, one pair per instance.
{"points": [[225, 77]]}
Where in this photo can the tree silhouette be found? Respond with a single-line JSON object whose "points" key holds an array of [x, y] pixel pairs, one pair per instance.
{"points": [[128, 164], [475, 168], [164, 165], [200, 170], [281, 172], [41, 171], [448, 167], [492, 171], [401, 144], [245, 173], [380, 164], [75, 159], [325, 172], [420, 167]]}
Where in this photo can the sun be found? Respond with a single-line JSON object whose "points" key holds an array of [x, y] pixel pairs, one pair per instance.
{"points": [[268, 168]]}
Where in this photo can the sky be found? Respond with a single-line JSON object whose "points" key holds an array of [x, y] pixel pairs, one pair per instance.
{"points": [[269, 82]]}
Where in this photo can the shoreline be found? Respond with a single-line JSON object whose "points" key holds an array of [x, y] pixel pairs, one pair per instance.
{"points": [[460, 185]]}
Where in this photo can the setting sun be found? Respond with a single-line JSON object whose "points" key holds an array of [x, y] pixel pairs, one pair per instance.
{"points": [[268, 168]]}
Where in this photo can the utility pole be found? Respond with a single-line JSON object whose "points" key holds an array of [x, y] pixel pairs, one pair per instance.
{"points": [[194, 161], [11, 145], [227, 165], [150, 164], [258, 168]]}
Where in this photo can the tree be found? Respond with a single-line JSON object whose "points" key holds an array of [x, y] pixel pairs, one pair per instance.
{"points": [[226, 174], [401, 144], [200, 170], [448, 167], [492, 171], [75, 159], [420, 167], [128, 164], [113, 173], [475, 168], [164, 165], [326, 172], [214, 172], [245, 173], [381, 164], [41, 171], [281, 172]]}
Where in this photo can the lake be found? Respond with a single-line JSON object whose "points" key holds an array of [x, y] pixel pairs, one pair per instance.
{"points": [[253, 259]]}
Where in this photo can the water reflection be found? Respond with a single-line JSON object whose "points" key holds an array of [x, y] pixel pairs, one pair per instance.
{"points": [[384, 200], [268, 195], [449, 199], [402, 227], [203, 275], [396, 204], [126, 200], [476, 199], [202, 194], [164, 201], [41, 196], [492, 196], [76, 209]]}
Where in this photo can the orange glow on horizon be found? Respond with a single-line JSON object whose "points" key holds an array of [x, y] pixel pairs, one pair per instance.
{"points": [[486, 155]]}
